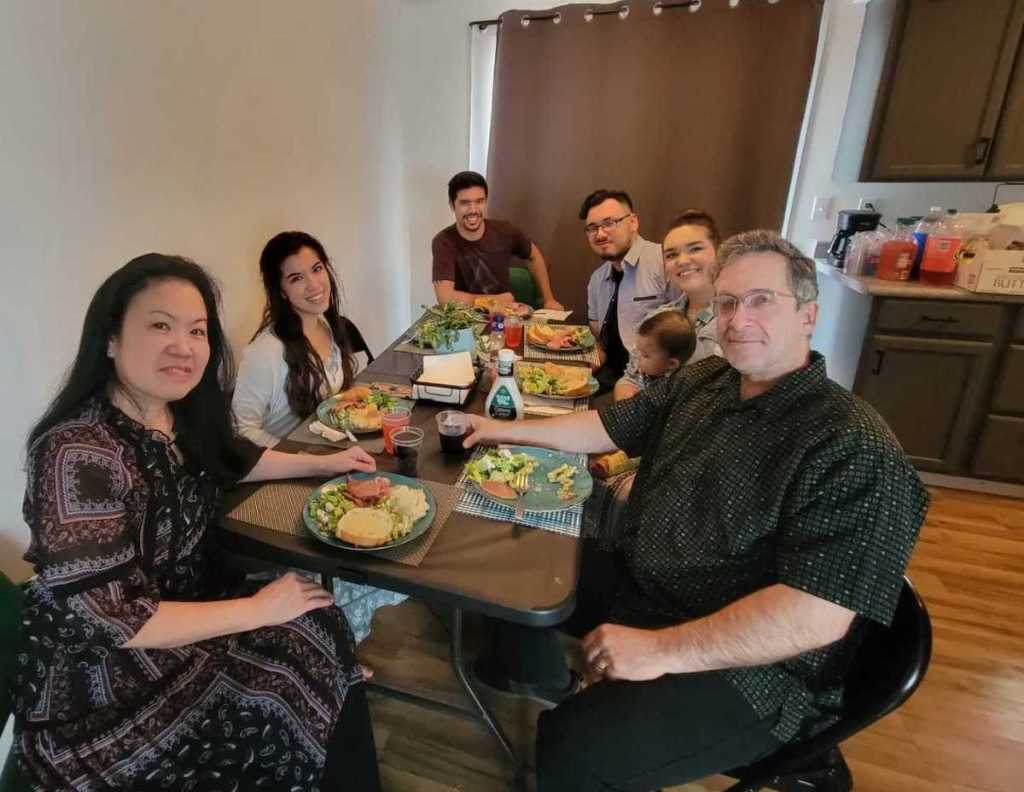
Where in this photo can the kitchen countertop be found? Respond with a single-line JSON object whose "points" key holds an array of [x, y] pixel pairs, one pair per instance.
{"points": [[909, 290]]}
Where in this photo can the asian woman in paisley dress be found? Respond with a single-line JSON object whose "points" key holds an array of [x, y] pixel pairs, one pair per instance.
{"points": [[147, 667]]}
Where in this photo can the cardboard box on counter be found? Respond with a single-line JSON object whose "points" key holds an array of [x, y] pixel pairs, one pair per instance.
{"points": [[989, 268]]}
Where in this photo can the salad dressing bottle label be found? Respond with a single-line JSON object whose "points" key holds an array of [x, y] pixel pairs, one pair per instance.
{"points": [[505, 402]]}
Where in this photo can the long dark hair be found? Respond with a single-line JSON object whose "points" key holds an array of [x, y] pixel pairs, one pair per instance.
{"points": [[306, 375], [202, 419]]}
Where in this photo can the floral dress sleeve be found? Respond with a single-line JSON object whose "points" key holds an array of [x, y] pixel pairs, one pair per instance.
{"points": [[85, 545]]}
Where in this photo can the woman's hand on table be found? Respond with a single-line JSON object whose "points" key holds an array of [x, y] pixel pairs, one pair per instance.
{"points": [[553, 305], [354, 458], [287, 598]]}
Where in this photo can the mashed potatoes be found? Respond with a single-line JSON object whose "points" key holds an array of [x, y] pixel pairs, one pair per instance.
{"points": [[410, 503]]}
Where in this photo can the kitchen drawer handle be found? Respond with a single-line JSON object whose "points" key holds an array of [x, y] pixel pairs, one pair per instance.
{"points": [[981, 150], [879, 358], [940, 319]]}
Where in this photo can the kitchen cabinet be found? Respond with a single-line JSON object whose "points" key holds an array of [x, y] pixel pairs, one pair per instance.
{"points": [[928, 390], [950, 101], [944, 368], [1000, 449]]}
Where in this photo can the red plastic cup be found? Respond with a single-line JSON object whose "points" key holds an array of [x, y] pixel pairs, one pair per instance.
{"points": [[513, 332], [394, 419]]}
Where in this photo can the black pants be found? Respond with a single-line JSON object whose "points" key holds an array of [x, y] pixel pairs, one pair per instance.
{"points": [[351, 754], [607, 376], [628, 736]]}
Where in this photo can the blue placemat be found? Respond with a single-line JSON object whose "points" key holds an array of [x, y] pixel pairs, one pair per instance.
{"points": [[564, 521]]}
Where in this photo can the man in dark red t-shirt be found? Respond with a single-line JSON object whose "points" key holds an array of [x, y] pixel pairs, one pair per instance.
{"points": [[471, 256]]}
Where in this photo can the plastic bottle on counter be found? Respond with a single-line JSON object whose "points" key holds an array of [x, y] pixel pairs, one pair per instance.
{"points": [[896, 259], [505, 401], [921, 230], [938, 267]]}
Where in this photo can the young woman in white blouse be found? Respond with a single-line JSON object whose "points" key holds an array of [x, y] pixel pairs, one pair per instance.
{"points": [[304, 349], [303, 352]]}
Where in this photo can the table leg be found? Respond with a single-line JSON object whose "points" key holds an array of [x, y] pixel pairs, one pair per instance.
{"points": [[459, 667]]}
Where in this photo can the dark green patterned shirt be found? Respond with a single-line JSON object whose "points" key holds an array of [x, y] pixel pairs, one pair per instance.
{"points": [[803, 485]]}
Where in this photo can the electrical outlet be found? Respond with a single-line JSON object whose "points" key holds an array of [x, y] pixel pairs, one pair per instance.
{"points": [[821, 208], [868, 203]]}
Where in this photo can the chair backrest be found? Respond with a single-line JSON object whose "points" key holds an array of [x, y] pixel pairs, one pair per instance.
{"points": [[358, 342], [11, 639], [886, 669], [522, 286], [890, 663]]}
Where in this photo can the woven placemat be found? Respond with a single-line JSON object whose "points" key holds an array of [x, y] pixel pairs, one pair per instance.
{"points": [[373, 443], [278, 506], [563, 521]]}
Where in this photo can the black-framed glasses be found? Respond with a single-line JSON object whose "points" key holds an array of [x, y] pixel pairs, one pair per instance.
{"points": [[756, 302], [591, 229]]}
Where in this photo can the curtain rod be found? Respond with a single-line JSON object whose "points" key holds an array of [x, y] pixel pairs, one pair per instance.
{"points": [[622, 11]]}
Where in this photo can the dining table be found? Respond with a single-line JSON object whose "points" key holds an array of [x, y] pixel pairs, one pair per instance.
{"points": [[475, 564]]}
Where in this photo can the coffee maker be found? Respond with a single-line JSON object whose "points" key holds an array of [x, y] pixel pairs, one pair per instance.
{"points": [[848, 223]]}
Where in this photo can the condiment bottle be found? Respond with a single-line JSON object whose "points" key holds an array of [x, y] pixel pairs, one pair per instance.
{"points": [[896, 259], [505, 401], [938, 266]]}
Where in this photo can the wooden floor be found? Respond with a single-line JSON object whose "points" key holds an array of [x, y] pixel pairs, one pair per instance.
{"points": [[963, 731]]}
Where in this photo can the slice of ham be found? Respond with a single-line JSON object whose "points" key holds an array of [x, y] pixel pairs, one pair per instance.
{"points": [[499, 490], [560, 341], [367, 492]]}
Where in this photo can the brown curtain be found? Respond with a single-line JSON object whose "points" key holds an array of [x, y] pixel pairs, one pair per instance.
{"points": [[679, 109]]}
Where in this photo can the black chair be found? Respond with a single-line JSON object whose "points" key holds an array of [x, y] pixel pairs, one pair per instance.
{"points": [[888, 666], [12, 639], [356, 338]]}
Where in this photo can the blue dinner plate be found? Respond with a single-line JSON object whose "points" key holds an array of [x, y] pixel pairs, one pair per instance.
{"points": [[543, 494], [325, 414], [418, 529]]}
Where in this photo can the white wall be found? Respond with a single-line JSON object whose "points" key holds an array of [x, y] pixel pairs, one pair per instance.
{"points": [[194, 128], [836, 128]]}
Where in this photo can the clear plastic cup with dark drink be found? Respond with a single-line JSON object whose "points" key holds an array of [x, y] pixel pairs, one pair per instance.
{"points": [[452, 428], [408, 444]]}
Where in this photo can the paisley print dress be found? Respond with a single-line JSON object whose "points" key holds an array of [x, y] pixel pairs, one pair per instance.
{"points": [[118, 523]]}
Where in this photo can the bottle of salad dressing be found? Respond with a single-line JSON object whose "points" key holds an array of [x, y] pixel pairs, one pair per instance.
{"points": [[505, 401]]}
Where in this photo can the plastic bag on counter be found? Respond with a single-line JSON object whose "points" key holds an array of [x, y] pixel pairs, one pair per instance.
{"points": [[865, 248]]}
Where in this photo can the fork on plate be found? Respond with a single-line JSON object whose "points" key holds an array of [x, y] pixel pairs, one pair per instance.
{"points": [[521, 484]]}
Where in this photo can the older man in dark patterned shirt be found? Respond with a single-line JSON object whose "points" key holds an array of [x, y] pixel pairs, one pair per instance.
{"points": [[772, 514]]}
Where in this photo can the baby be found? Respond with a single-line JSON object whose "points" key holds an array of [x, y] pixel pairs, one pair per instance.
{"points": [[665, 341]]}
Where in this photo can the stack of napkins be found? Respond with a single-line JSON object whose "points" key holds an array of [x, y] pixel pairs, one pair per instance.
{"points": [[446, 378], [551, 315], [538, 405]]}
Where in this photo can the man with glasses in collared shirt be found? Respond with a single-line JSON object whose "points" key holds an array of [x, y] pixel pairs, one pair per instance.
{"points": [[772, 516], [628, 284]]}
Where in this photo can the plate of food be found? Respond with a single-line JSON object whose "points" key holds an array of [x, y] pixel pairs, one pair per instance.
{"points": [[546, 480], [369, 511], [555, 381], [492, 306], [359, 409], [560, 338]]}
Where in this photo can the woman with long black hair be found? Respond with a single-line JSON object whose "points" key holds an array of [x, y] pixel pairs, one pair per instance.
{"points": [[146, 668], [302, 352]]}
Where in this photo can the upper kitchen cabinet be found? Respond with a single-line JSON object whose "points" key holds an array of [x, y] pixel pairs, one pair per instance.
{"points": [[943, 109], [1007, 160]]}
